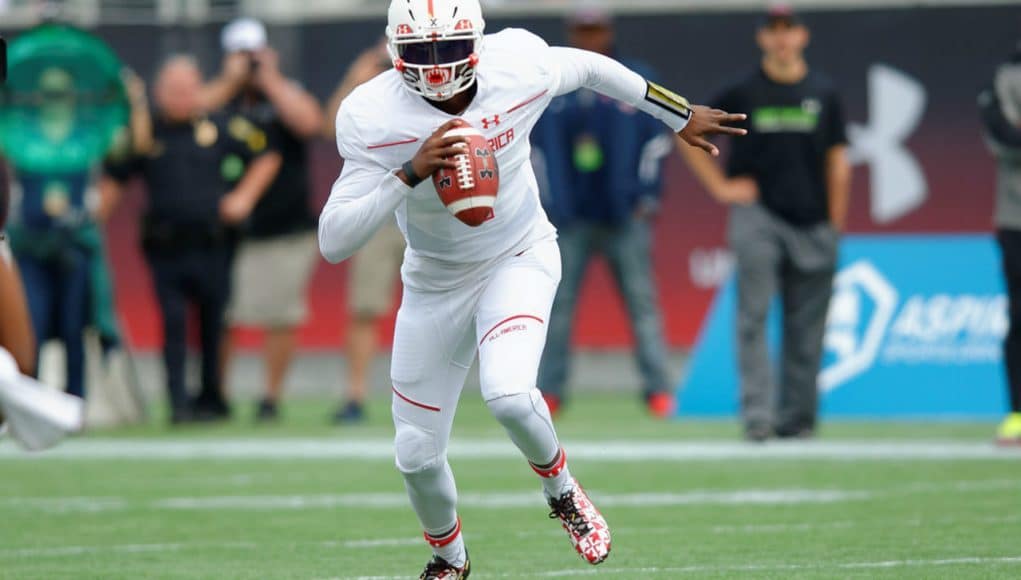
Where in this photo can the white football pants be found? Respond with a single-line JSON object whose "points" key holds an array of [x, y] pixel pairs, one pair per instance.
{"points": [[501, 314]]}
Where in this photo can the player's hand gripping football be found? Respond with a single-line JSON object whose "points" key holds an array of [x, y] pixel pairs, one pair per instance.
{"points": [[436, 153], [706, 122]]}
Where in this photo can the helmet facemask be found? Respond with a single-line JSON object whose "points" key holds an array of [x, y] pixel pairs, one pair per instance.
{"points": [[436, 67]]}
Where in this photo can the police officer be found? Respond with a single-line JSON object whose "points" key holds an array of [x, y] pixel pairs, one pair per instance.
{"points": [[202, 185], [788, 186]]}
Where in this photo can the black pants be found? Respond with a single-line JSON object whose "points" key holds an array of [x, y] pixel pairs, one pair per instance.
{"points": [[200, 278], [1010, 244]]}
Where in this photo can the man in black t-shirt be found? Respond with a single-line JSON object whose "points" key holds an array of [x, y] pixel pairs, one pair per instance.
{"points": [[279, 252], [788, 185]]}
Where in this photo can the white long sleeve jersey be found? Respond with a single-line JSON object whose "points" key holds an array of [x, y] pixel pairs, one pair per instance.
{"points": [[381, 125]]}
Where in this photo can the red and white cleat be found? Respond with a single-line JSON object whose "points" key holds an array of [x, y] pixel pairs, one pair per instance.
{"points": [[583, 523], [440, 569]]}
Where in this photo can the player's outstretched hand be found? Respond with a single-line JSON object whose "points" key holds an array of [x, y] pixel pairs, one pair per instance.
{"points": [[437, 152], [706, 122]]}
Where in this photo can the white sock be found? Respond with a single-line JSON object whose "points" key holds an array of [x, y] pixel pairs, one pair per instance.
{"points": [[449, 545]]}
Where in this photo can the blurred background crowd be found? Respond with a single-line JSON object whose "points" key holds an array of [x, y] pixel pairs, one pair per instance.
{"points": [[193, 231]]}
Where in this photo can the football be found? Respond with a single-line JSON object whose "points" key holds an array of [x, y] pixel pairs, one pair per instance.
{"points": [[469, 192]]}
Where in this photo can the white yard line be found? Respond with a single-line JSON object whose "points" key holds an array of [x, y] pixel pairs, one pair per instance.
{"points": [[385, 501], [69, 551], [74, 551], [508, 500], [605, 451], [687, 570], [694, 570], [496, 501]]}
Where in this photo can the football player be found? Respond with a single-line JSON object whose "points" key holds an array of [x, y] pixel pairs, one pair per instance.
{"points": [[486, 290]]}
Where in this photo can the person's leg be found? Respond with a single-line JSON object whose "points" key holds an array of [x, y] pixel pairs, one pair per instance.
{"points": [[433, 350], [279, 352], [807, 287], [1010, 247], [74, 312], [375, 271], [361, 351], [40, 292], [758, 258], [511, 330], [282, 267], [575, 243], [629, 251], [174, 310], [210, 278]]}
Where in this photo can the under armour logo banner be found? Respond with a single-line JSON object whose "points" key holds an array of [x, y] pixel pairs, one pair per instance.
{"points": [[896, 105]]}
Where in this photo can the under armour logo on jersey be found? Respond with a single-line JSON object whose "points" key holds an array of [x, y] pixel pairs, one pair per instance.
{"points": [[896, 105], [493, 121]]}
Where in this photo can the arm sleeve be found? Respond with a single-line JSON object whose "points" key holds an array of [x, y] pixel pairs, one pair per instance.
{"points": [[575, 69], [363, 197]]}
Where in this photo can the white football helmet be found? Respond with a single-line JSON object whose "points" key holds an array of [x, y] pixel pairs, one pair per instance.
{"points": [[435, 44]]}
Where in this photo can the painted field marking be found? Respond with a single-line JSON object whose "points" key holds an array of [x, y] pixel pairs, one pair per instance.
{"points": [[503, 500], [969, 561], [604, 451], [690, 570]]}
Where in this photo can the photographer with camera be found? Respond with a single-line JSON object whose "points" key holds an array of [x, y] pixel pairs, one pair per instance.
{"points": [[278, 254]]}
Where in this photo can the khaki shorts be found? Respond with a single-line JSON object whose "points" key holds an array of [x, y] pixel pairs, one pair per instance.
{"points": [[375, 270], [271, 281]]}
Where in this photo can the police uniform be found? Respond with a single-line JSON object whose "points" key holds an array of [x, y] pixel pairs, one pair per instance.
{"points": [[190, 169]]}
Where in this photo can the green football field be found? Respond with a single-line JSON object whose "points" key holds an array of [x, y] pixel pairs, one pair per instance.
{"points": [[684, 500]]}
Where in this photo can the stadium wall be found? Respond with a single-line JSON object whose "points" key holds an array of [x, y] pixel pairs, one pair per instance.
{"points": [[909, 77]]}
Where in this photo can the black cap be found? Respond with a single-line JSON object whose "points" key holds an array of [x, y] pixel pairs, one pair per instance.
{"points": [[780, 14]]}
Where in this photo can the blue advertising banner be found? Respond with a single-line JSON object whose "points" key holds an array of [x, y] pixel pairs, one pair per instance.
{"points": [[914, 331]]}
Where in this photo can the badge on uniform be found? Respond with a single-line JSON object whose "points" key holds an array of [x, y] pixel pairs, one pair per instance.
{"points": [[206, 133]]}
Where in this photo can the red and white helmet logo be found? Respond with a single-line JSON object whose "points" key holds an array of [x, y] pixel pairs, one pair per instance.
{"points": [[438, 76]]}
